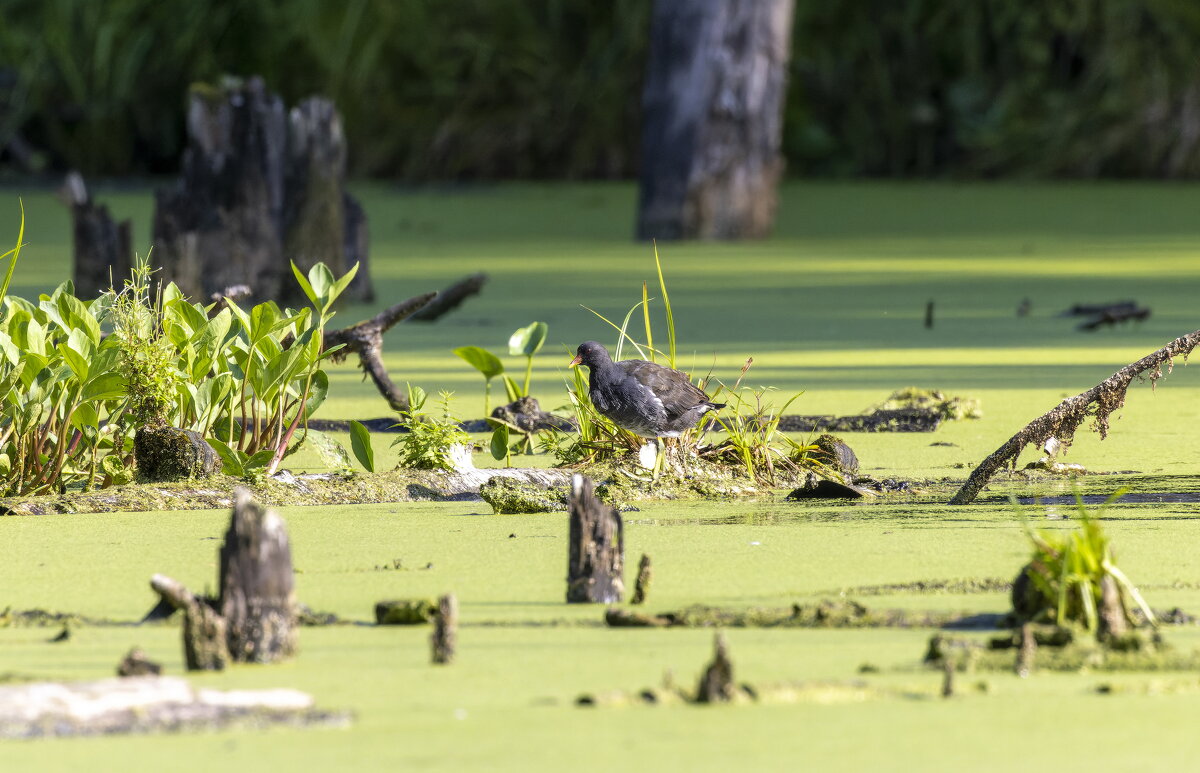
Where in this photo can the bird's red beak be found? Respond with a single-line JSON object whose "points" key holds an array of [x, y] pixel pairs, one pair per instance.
{"points": [[575, 361]]}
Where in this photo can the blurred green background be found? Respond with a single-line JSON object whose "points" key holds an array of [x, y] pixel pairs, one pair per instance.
{"points": [[551, 89]]}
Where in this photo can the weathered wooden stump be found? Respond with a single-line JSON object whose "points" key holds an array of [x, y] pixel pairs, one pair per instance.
{"points": [[716, 683], [253, 619], [1026, 652], [597, 548], [642, 586], [257, 598], [444, 640], [103, 248], [259, 186]]}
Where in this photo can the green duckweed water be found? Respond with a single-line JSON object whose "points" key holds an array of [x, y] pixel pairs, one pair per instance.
{"points": [[834, 306]]}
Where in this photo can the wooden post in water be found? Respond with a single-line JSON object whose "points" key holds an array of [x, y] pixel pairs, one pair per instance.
{"points": [[596, 559], [1027, 651], [445, 630]]}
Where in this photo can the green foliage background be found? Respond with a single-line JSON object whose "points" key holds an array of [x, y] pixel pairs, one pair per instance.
{"points": [[450, 89]]}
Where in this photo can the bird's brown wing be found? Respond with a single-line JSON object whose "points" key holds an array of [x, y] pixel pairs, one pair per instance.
{"points": [[671, 386]]}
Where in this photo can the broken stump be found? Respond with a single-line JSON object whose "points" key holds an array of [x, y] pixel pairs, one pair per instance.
{"points": [[253, 619], [166, 454], [596, 559], [642, 586], [445, 630], [716, 684]]}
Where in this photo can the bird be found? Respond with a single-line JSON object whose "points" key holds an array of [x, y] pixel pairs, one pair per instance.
{"points": [[649, 400]]}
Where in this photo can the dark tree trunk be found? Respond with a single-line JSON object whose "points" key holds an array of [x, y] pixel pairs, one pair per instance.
{"points": [[597, 548], [257, 596], [259, 187], [713, 116], [103, 248]]}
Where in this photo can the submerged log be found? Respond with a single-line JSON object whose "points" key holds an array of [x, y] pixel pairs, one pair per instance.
{"points": [[1064, 419], [596, 559], [444, 640]]}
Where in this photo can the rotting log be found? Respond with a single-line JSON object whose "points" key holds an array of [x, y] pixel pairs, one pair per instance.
{"points": [[366, 340], [596, 559], [257, 585], [1061, 423], [103, 248], [444, 640]]}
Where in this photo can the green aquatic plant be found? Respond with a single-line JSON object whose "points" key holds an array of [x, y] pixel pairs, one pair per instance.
{"points": [[360, 444], [752, 437], [431, 440], [1069, 571], [524, 342]]}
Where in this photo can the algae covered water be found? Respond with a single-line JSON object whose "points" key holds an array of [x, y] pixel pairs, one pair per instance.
{"points": [[832, 306]]}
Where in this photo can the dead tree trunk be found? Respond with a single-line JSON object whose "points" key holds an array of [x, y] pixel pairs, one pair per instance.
{"points": [[259, 187], [253, 619], [103, 249], [257, 595], [716, 683], [1061, 422], [716, 80], [597, 548]]}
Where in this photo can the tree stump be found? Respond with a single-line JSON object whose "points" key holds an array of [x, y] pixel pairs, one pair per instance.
{"points": [[597, 548], [444, 640], [642, 586], [253, 619], [716, 79], [260, 186], [170, 454], [716, 684], [103, 249], [257, 596]]}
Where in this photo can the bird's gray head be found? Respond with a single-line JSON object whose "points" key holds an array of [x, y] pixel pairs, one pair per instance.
{"points": [[590, 354]]}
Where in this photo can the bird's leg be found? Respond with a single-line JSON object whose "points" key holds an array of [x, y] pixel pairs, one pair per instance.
{"points": [[659, 453]]}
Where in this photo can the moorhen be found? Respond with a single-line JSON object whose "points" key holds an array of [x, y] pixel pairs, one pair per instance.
{"points": [[649, 400]]}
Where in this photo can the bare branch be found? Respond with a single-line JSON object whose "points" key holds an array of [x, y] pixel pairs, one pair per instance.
{"points": [[1100, 401]]}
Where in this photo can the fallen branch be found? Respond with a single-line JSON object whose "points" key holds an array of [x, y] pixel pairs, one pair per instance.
{"points": [[1060, 423], [451, 297], [366, 340]]}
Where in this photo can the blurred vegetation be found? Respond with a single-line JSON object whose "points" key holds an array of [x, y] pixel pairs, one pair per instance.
{"points": [[453, 89]]}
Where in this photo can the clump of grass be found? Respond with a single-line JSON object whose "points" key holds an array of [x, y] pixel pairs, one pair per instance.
{"points": [[1069, 571], [753, 441], [432, 438]]}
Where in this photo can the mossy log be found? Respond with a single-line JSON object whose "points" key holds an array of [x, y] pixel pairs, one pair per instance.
{"points": [[596, 559], [166, 454], [404, 612], [1099, 402]]}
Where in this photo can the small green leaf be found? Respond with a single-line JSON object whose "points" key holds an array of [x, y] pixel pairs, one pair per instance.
{"points": [[499, 444], [512, 389], [232, 460], [340, 285], [360, 444], [305, 285], [481, 360], [528, 340], [321, 279]]}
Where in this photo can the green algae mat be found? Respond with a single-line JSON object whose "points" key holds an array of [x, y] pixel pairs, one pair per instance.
{"points": [[834, 306]]}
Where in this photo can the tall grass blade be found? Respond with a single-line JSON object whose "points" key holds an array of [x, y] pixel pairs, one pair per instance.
{"points": [[15, 252], [662, 283], [646, 319]]}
